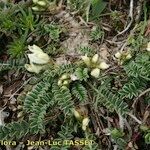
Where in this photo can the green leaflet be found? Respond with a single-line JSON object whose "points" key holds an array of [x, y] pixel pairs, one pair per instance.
{"points": [[111, 101], [12, 64], [63, 97], [133, 88], [82, 74], [80, 92], [97, 7], [14, 130], [32, 97], [147, 138], [37, 119]]}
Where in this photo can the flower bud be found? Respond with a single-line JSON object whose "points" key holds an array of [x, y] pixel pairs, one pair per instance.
{"points": [[129, 56], [86, 60], [41, 3], [19, 107], [65, 82], [76, 114], [73, 77], [20, 114], [35, 1], [118, 55], [43, 58], [64, 87], [95, 72], [85, 123], [33, 68], [37, 56], [59, 82], [148, 46], [95, 58], [103, 66], [64, 77], [35, 8], [35, 49]]}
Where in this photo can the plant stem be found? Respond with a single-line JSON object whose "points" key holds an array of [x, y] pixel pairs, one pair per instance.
{"points": [[134, 117]]}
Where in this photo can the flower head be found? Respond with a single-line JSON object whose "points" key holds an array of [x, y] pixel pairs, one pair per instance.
{"points": [[95, 58], [73, 77], [148, 46], [35, 1], [123, 56], [129, 56], [37, 56], [95, 72], [64, 77], [59, 82], [35, 49], [35, 8], [86, 59], [76, 114], [85, 123], [66, 82], [33, 68], [118, 55], [103, 66], [41, 3], [38, 59]]}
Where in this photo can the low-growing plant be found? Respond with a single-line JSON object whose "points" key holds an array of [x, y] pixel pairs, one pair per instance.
{"points": [[84, 97]]}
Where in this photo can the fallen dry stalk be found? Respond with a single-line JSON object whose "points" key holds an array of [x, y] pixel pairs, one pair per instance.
{"points": [[130, 16]]}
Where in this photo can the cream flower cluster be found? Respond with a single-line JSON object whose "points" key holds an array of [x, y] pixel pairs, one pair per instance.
{"points": [[85, 120], [85, 123], [148, 46], [38, 59], [95, 63], [65, 79], [122, 56], [39, 5]]}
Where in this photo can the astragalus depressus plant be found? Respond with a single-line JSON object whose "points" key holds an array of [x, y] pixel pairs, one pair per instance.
{"points": [[75, 75]]}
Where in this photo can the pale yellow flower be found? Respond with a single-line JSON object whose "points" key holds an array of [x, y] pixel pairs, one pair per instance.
{"points": [[95, 72], [129, 56], [95, 58], [35, 1], [86, 59], [64, 77], [76, 114], [65, 82], [85, 123], [42, 3], [148, 46], [35, 49], [33, 68], [73, 77], [35, 8], [37, 56], [118, 55], [103, 65], [59, 82]]}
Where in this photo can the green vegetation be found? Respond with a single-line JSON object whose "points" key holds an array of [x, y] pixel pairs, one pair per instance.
{"points": [[73, 70]]}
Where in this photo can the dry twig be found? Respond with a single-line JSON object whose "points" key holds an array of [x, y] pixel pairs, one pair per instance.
{"points": [[134, 117], [143, 93], [131, 20]]}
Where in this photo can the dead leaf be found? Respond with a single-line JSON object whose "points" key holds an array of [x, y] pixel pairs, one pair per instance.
{"points": [[104, 54], [3, 115], [1, 89]]}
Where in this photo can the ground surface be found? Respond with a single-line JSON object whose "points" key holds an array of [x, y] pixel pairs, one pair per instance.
{"points": [[116, 102]]}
